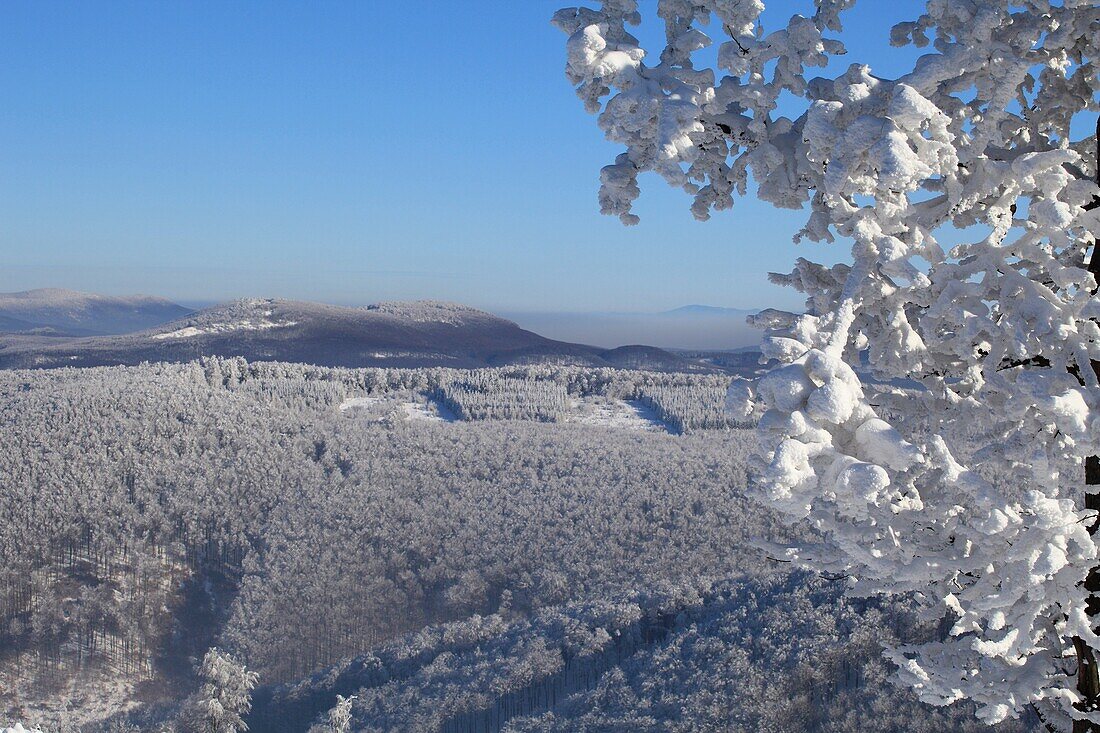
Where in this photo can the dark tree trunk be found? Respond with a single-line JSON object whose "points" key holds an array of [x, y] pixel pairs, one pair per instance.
{"points": [[1088, 674]]}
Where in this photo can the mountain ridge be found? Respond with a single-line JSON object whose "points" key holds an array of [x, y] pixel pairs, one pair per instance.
{"points": [[393, 333], [706, 310], [61, 312]]}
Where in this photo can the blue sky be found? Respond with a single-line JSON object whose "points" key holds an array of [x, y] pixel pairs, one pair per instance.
{"points": [[349, 152]]}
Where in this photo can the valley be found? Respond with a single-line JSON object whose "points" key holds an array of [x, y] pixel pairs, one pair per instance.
{"points": [[509, 549]]}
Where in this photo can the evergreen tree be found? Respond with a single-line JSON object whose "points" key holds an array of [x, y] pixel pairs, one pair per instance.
{"points": [[225, 696]]}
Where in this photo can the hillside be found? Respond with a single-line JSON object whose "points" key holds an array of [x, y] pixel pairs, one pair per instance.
{"points": [[530, 562], [53, 311], [416, 334]]}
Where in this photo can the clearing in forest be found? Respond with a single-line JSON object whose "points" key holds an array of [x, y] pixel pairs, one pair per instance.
{"points": [[625, 414]]}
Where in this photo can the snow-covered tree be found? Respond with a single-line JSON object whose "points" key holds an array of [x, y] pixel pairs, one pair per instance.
{"points": [[967, 493], [339, 718], [226, 694]]}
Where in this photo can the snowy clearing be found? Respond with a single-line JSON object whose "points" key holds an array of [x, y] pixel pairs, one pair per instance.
{"points": [[351, 402], [620, 414], [429, 411], [387, 407], [623, 414]]}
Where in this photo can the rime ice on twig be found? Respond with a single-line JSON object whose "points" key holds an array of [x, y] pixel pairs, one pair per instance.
{"points": [[1000, 332]]}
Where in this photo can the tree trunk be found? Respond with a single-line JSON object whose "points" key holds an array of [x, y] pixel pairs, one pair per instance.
{"points": [[1088, 675]]}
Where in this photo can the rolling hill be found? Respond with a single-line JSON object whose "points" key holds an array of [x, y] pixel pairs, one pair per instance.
{"points": [[398, 334], [53, 311]]}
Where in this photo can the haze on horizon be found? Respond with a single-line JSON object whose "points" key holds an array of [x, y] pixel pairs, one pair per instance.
{"points": [[206, 152], [693, 327]]}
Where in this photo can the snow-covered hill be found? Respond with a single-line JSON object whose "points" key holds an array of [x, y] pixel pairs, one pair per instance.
{"points": [[416, 334], [67, 312]]}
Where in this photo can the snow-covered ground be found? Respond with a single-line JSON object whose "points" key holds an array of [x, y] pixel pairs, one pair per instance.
{"points": [[75, 697], [621, 414], [383, 407], [412, 355], [429, 411], [351, 402], [192, 331], [624, 414]]}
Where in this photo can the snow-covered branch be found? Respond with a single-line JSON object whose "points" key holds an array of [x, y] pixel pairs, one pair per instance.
{"points": [[967, 492]]}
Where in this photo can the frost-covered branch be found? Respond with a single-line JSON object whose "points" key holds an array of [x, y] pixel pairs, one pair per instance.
{"points": [[968, 491]]}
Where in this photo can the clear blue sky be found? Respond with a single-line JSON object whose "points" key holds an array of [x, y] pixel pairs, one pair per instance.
{"points": [[347, 152]]}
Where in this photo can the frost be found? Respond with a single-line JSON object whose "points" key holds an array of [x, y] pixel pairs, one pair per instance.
{"points": [[740, 399], [220, 328], [968, 484], [885, 444], [785, 388], [1048, 560], [832, 403], [429, 311]]}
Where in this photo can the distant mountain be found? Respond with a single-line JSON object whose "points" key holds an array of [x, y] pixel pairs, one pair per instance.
{"points": [[706, 310], [422, 333], [52, 311], [692, 327]]}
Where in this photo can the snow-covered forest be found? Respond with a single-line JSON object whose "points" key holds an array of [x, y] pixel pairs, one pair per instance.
{"points": [[290, 516], [412, 541]]}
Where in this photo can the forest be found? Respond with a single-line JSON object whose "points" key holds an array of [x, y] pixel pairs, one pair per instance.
{"points": [[303, 513], [415, 550]]}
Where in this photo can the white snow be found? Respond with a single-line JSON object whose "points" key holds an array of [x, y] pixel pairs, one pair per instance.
{"points": [[423, 411], [351, 402], [181, 333], [411, 355], [429, 311], [75, 699], [619, 414], [394, 406], [246, 325]]}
